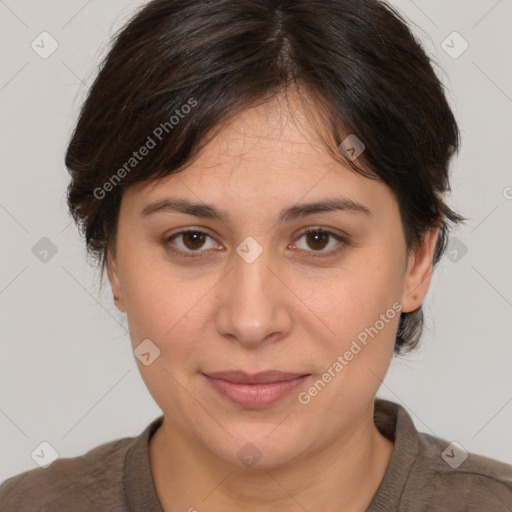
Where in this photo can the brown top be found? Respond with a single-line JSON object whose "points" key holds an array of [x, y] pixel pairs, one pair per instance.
{"points": [[425, 473]]}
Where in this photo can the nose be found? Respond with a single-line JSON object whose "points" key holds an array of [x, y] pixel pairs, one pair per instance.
{"points": [[254, 302]]}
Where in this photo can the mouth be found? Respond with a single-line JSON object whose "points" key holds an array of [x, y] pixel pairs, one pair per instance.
{"points": [[255, 391]]}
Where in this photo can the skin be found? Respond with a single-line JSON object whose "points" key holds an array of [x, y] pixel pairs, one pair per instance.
{"points": [[282, 311]]}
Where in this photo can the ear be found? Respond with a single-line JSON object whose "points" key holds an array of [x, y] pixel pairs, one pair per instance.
{"points": [[113, 277], [419, 272]]}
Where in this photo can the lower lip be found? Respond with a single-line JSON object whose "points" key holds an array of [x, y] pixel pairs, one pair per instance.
{"points": [[255, 396]]}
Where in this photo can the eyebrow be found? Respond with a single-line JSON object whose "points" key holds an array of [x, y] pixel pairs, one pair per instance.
{"points": [[209, 211]]}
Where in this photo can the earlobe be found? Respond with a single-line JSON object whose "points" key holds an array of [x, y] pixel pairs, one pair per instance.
{"points": [[419, 272]]}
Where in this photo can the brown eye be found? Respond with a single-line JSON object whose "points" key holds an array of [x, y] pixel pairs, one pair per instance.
{"points": [[317, 240], [189, 243], [193, 240]]}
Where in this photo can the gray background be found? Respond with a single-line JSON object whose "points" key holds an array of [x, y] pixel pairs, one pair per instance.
{"points": [[67, 373]]}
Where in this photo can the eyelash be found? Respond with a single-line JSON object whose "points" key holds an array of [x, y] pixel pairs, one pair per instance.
{"points": [[313, 254]]}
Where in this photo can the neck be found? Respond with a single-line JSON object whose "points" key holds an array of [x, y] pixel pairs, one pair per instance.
{"points": [[341, 476]]}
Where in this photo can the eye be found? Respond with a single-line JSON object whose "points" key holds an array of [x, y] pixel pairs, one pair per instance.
{"points": [[190, 241], [318, 239]]}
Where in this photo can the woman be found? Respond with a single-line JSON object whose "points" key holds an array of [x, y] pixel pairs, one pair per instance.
{"points": [[264, 184]]}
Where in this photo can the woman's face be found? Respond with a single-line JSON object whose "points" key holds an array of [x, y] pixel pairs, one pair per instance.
{"points": [[252, 292]]}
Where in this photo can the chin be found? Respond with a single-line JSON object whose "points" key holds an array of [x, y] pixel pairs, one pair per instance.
{"points": [[260, 449]]}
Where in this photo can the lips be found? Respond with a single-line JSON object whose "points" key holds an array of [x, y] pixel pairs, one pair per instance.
{"points": [[240, 377], [255, 391]]}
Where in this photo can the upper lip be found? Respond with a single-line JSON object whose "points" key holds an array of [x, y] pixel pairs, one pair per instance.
{"points": [[241, 377]]}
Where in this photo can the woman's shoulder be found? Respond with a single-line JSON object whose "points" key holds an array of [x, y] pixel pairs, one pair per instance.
{"points": [[427, 472], [92, 481], [456, 474], [453, 458]]}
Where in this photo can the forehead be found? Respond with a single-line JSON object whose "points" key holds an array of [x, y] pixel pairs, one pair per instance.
{"points": [[273, 152], [278, 135]]}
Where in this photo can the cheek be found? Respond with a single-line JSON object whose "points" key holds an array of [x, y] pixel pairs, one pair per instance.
{"points": [[171, 314], [356, 316], [171, 309], [347, 301], [355, 352]]}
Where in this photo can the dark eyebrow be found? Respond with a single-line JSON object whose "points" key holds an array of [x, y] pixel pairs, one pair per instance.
{"points": [[294, 212]]}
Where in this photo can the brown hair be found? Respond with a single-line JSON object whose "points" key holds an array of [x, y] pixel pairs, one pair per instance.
{"points": [[180, 69]]}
